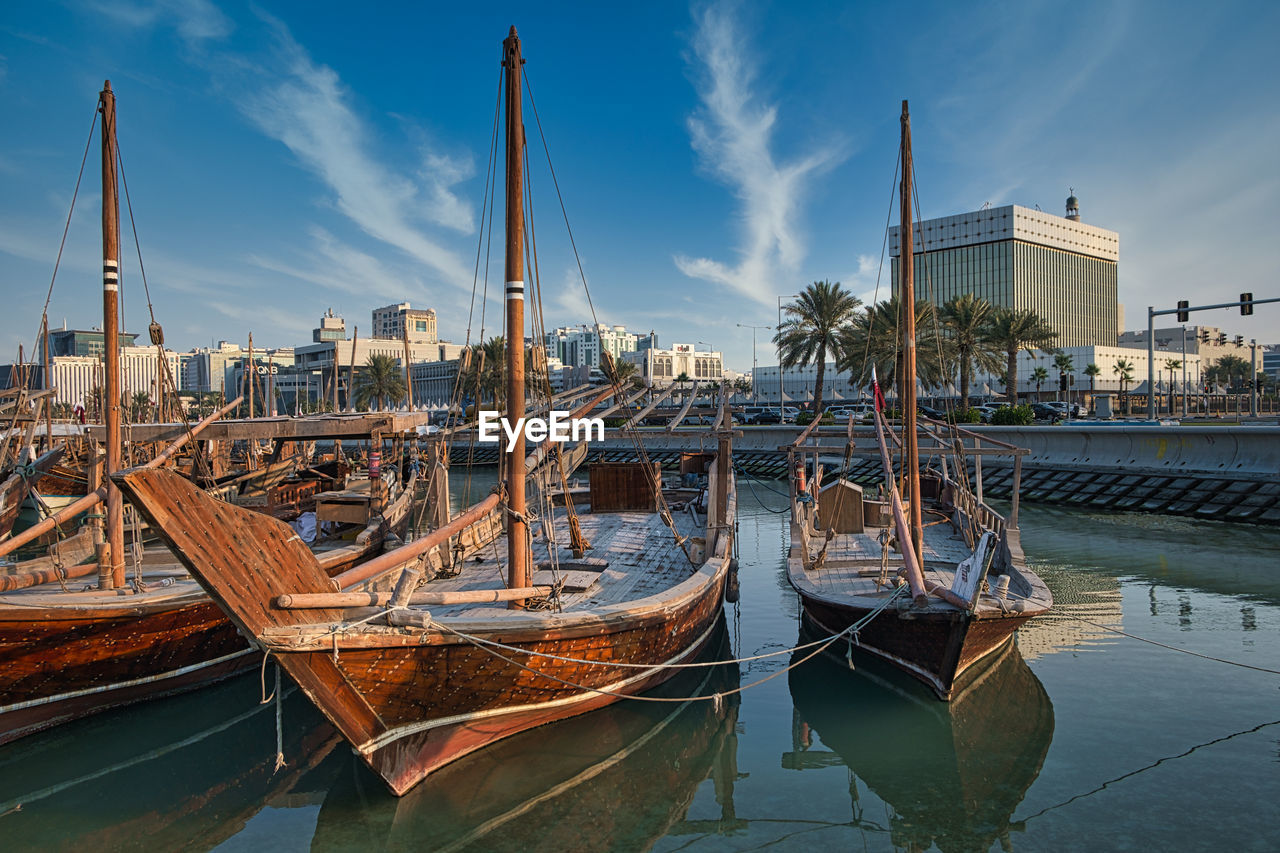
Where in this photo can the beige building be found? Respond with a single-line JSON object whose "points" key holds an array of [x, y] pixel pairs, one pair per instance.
{"points": [[660, 367], [393, 320]]}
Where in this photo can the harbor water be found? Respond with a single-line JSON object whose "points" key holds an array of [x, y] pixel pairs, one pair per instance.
{"points": [[1078, 738]]}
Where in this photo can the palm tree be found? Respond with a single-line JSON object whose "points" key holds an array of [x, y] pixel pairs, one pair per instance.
{"points": [[379, 383], [1093, 372], [1062, 363], [680, 382], [1124, 370], [1013, 330], [964, 319], [628, 374], [138, 405], [484, 375], [1233, 370], [874, 338], [812, 327], [1039, 376], [1171, 364]]}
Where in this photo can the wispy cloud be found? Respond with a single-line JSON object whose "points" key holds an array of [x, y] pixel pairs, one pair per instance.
{"points": [[304, 105], [733, 134], [196, 21], [307, 109], [340, 267]]}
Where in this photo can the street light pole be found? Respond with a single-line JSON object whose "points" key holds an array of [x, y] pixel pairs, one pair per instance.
{"points": [[755, 396], [778, 340]]}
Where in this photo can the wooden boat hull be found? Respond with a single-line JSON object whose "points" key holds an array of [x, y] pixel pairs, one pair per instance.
{"points": [[63, 662], [59, 664], [454, 699], [935, 646]]}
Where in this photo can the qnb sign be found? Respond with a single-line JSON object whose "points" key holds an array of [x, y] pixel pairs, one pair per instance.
{"points": [[560, 427]]}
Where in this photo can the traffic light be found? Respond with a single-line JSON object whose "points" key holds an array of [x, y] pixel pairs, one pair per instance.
{"points": [[1239, 340], [1204, 336], [1062, 381], [1246, 310], [1183, 314], [1222, 339]]}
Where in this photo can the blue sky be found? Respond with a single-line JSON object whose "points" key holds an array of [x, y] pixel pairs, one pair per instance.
{"points": [[286, 158]]}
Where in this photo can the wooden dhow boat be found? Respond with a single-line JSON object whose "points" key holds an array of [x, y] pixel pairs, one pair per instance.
{"points": [[69, 648], [965, 572], [484, 635]]}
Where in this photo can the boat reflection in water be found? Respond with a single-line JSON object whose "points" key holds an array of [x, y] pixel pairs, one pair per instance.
{"points": [[618, 778], [186, 773], [952, 774]]}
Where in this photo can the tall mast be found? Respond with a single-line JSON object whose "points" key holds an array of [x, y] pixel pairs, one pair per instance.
{"points": [[910, 450], [111, 331], [517, 527]]}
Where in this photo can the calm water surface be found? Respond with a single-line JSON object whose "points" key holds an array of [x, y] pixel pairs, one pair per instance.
{"points": [[1079, 739]]}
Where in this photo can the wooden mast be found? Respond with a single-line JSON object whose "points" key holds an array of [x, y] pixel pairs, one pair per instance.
{"points": [[910, 449], [517, 527], [252, 374], [111, 335]]}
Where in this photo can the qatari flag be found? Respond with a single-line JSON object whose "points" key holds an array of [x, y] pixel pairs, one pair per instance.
{"points": [[875, 388]]}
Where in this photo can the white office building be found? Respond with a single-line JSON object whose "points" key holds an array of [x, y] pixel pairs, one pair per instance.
{"points": [[580, 346]]}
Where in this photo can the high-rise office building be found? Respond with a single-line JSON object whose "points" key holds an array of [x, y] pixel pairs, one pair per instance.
{"points": [[1017, 257]]}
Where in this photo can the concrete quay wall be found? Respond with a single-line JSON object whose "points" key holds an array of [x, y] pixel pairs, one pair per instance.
{"points": [[1247, 452], [1223, 472]]}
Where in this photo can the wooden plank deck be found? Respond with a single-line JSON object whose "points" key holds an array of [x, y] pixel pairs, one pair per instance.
{"points": [[641, 555], [853, 560]]}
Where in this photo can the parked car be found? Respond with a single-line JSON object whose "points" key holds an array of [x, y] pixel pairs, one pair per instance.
{"points": [[858, 410], [931, 412], [1073, 410], [769, 414], [1047, 412], [986, 410]]}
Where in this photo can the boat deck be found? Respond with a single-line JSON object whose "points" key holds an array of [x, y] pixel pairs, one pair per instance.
{"points": [[853, 566], [634, 553], [853, 561], [164, 579]]}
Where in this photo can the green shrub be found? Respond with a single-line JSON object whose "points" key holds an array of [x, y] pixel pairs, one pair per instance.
{"points": [[1013, 416], [964, 416], [614, 423], [806, 417]]}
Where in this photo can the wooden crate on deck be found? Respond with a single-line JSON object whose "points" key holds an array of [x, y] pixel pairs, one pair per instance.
{"points": [[624, 486]]}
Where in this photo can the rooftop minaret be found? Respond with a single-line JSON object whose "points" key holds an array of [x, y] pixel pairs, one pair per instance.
{"points": [[1073, 205]]}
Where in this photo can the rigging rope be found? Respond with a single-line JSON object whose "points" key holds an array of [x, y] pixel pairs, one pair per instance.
{"points": [[67, 227]]}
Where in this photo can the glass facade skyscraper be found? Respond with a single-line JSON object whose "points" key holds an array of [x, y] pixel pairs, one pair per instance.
{"points": [[1020, 258]]}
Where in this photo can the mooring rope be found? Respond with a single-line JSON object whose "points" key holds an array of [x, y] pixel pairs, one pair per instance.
{"points": [[821, 646]]}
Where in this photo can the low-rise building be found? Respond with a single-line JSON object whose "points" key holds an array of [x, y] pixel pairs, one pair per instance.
{"points": [[662, 367]]}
